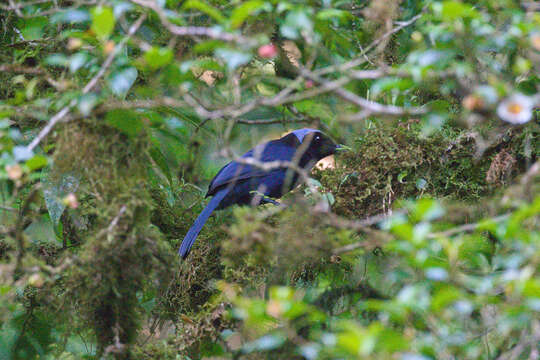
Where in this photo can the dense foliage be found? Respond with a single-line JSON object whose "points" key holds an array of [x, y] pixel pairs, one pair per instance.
{"points": [[420, 241]]}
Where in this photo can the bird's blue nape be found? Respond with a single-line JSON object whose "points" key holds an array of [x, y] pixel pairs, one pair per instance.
{"points": [[301, 133]]}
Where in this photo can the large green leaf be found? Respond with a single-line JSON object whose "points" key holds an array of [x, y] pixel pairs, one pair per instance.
{"points": [[127, 121], [158, 57], [102, 21], [205, 8], [242, 12]]}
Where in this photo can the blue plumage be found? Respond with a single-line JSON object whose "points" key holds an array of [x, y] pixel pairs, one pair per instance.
{"points": [[194, 230], [238, 183]]}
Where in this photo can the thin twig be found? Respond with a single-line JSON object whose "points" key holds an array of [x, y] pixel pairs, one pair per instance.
{"points": [[7, 208], [212, 33], [116, 218], [369, 107], [360, 59], [22, 69], [465, 228]]}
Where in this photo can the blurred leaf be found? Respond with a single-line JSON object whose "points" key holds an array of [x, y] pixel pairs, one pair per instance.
{"points": [[86, 103], [55, 188], [386, 84], [246, 9], [121, 7], [265, 343], [33, 28], [161, 162], [36, 162], [208, 46], [122, 81], [70, 16], [427, 209], [102, 21], [452, 10], [22, 153], [281, 293], [158, 57], [127, 121], [76, 61], [334, 13], [205, 8], [233, 58], [57, 60], [41, 232], [296, 22], [444, 297]]}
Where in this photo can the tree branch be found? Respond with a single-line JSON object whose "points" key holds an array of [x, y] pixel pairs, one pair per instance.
{"points": [[211, 33]]}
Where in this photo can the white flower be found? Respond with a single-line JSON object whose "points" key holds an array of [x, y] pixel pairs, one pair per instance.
{"points": [[516, 109]]}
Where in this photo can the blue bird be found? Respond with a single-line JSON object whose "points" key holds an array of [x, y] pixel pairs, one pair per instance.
{"points": [[239, 183]]}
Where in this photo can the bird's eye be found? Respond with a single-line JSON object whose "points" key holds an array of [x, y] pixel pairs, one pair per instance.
{"points": [[317, 138]]}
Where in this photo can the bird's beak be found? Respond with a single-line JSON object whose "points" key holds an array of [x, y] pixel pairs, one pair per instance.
{"points": [[340, 147]]}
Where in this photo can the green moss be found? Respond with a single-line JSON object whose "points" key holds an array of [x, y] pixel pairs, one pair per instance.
{"points": [[191, 286], [157, 350], [121, 252], [392, 163]]}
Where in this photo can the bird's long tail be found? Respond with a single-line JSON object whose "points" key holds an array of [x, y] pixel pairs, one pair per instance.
{"points": [[194, 230]]}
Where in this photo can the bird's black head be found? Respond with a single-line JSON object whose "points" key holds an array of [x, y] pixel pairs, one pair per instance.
{"points": [[317, 144]]}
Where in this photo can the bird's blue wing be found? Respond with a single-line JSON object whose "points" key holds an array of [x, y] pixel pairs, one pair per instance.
{"points": [[234, 171]]}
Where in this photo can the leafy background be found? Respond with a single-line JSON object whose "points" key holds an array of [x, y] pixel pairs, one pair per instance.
{"points": [[421, 241]]}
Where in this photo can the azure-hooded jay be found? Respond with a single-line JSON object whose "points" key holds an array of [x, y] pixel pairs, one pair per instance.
{"points": [[239, 183]]}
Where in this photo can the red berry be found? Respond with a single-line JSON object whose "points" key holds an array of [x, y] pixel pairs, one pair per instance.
{"points": [[268, 51]]}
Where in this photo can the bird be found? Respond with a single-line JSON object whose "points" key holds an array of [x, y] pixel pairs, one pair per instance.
{"points": [[241, 183]]}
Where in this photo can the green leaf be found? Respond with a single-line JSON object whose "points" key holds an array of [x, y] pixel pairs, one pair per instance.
{"points": [[242, 12], [201, 64], [315, 108], [121, 82], [33, 28], [427, 209], [36, 162], [444, 297], [102, 21], [127, 121], [333, 13], [206, 47], [296, 22], [70, 17], [265, 343], [22, 153], [161, 162], [205, 8], [121, 7], [86, 103], [158, 57], [76, 61], [57, 60], [391, 83], [454, 10], [55, 188]]}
